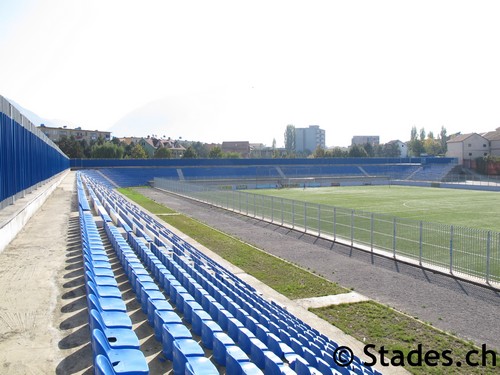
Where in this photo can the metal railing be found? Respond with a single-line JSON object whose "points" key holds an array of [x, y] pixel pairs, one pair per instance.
{"points": [[462, 251]]}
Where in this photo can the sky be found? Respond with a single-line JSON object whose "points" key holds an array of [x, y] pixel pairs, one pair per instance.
{"points": [[233, 70]]}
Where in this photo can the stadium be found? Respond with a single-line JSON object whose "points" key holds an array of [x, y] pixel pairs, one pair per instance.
{"points": [[93, 282]]}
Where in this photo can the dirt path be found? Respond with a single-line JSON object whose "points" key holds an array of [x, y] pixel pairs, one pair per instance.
{"points": [[468, 310], [41, 324]]}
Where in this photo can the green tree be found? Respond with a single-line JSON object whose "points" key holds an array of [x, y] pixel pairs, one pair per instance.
{"points": [[443, 138], [71, 147], [290, 139], [107, 150], [413, 135], [138, 152], [338, 152], [215, 153], [432, 146], [163, 153], [190, 153], [357, 151], [369, 149], [422, 134], [200, 149], [391, 150], [319, 152]]}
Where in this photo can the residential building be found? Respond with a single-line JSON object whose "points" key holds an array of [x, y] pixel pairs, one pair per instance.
{"points": [[493, 138], [307, 140], [240, 147], [361, 140], [55, 134], [467, 147]]}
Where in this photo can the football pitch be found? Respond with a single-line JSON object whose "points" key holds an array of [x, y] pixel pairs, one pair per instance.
{"points": [[467, 208]]}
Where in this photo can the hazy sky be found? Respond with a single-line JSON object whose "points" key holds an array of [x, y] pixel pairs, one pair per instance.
{"points": [[242, 70]]}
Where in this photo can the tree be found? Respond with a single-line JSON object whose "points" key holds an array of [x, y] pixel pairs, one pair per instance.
{"points": [[290, 139], [413, 135], [200, 149], [71, 147], [215, 153], [443, 139], [357, 151], [432, 146], [163, 153], [190, 153], [416, 147], [369, 149], [422, 134], [391, 150], [338, 152], [107, 150], [138, 152], [319, 152]]}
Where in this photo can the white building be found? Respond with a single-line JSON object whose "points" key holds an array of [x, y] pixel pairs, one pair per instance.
{"points": [[309, 139]]}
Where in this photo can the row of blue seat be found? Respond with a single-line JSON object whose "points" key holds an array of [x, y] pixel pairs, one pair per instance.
{"points": [[275, 328], [115, 346]]}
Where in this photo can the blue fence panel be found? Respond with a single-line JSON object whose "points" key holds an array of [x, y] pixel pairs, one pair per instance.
{"points": [[27, 156]]}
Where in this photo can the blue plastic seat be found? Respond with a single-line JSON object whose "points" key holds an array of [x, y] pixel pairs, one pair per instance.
{"points": [[124, 361], [208, 328], [198, 316], [170, 333], [237, 362], [106, 303], [110, 318], [182, 350], [157, 304], [102, 366], [162, 317], [221, 341], [233, 328], [117, 337], [200, 366]]}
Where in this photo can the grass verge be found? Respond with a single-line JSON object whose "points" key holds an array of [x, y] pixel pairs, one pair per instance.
{"points": [[379, 325], [282, 276], [148, 204]]}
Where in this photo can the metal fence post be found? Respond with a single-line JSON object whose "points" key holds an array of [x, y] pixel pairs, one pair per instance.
{"points": [[282, 210], [420, 245], [319, 220], [394, 237], [305, 217], [272, 209], [334, 224], [488, 253], [451, 249], [352, 228], [371, 232], [293, 214]]}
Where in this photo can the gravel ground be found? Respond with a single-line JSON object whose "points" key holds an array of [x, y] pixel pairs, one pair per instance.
{"points": [[465, 309]]}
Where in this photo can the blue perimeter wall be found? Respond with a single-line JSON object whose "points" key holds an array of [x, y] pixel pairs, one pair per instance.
{"points": [[111, 163], [27, 156]]}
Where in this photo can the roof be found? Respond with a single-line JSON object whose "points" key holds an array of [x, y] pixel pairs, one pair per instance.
{"points": [[462, 137], [493, 135]]}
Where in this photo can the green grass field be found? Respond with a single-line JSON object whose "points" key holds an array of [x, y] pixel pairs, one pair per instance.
{"points": [[468, 208]]}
